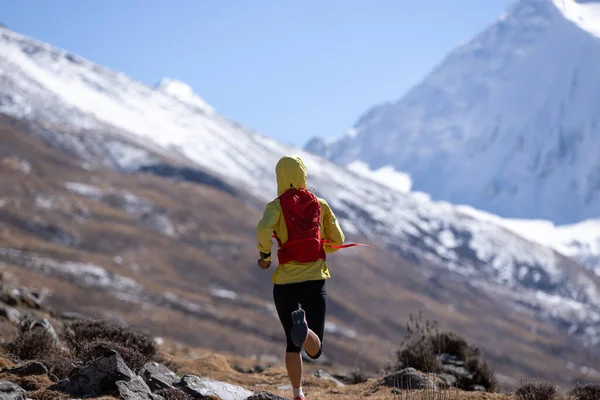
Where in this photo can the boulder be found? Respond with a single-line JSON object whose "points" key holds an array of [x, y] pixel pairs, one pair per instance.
{"points": [[107, 375], [158, 377], [408, 378], [11, 391], [32, 368], [324, 375], [199, 388]]}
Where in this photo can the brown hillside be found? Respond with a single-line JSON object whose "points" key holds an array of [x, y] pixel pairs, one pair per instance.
{"points": [[178, 259]]}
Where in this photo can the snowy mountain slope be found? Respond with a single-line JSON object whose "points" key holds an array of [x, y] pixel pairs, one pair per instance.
{"points": [[507, 123], [579, 241], [85, 107]]}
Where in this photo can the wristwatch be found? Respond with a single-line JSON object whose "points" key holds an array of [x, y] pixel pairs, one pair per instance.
{"points": [[265, 256]]}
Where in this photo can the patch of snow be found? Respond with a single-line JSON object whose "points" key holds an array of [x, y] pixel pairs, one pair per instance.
{"points": [[335, 329], [90, 275], [18, 164], [223, 293], [387, 176], [136, 205], [162, 224], [352, 133], [45, 202], [580, 241], [85, 190], [128, 157], [183, 92]]}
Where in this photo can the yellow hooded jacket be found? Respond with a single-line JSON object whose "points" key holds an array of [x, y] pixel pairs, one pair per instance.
{"points": [[291, 173]]}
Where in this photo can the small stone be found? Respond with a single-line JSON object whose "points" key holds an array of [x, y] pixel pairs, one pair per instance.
{"points": [[477, 388], [11, 391], [136, 389], [158, 377], [324, 375], [11, 314], [408, 378], [199, 387], [266, 396]]}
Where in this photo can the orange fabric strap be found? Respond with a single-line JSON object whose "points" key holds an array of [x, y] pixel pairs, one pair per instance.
{"points": [[343, 246]]}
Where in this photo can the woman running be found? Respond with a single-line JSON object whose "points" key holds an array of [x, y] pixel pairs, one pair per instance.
{"points": [[306, 230]]}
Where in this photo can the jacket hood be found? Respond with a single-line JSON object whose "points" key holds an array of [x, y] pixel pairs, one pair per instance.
{"points": [[291, 173]]}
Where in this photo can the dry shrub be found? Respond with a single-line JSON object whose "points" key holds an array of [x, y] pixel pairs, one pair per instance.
{"points": [[587, 392], [536, 391], [173, 394], [31, 345], [424, 346], [355, 377], [89, 339], [40, 345], [98, 348], [427, 394]]}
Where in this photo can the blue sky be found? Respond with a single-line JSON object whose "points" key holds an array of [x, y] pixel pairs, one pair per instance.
{"points": [[290, 69]]}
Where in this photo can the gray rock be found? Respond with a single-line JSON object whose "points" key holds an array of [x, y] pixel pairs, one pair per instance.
{"points": [[458, 371], [11, 391], [200, 388], [158, 377], [136, 389], [32, 368], [107, 374], [324, 375], [11, 314], [477, 388], [266, 396], [449, 379], [408, 378], [30, 324]]}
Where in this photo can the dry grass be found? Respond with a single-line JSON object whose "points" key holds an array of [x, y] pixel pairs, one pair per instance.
{"points": [[586, 392], [424, 344], [537, 391], [29, 383]]}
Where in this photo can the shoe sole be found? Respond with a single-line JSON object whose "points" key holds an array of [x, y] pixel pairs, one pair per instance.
{"points": [[300, 328]]}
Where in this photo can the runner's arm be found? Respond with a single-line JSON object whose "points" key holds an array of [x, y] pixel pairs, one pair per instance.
{"points": [[266, 226], [332, 231]]}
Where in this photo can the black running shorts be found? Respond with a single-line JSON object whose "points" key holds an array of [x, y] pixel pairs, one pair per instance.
{"points": [[311, 296]]}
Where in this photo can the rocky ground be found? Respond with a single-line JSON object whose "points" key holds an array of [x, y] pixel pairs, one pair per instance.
{"points": [[46, 355]]}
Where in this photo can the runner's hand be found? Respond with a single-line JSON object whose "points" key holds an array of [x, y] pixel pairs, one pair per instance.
{"points": [[264, 264]]}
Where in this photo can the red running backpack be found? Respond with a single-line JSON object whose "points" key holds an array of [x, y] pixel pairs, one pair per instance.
{"points": [[302, 213]]}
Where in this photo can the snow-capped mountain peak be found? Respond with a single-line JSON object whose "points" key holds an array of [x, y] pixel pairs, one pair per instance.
{"points": [[183, 92], [583, 13], [507, 123]]}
